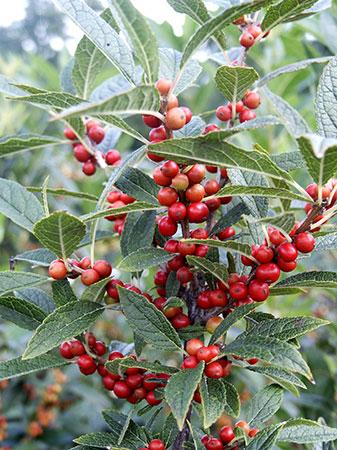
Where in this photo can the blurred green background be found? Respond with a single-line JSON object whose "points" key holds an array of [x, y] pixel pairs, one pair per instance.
{"points": [[28, 54]]}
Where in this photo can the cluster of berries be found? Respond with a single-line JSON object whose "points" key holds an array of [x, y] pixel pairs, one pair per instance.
{"points": [[328, 197], [155, 444], [89, 155], [134, 386], [227, 436], [199, 352], [243, 109], [118, 199], [89, 273], [250, 31]]}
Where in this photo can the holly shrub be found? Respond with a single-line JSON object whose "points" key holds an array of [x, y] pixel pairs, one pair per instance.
{"points": [[209, 232]]}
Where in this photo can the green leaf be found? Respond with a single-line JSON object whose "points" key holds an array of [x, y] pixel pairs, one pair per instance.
{"points": [[38, 257], [143, 259], [310, 279], [128, 362], [237, 314], [62, 292], [139, 185], [19, 205], [21, 312], [289, 68], [213, 399], [327, 242], [232, 405], [131, 207], [179, 392], [140, 100], [233, 246], [283, 11], [141, 36], [287, 328], [304, 431], [38, 297], [231, 217], [277, 291], [101, 439], [65, 193], [11, 281], [147, 321], [259, 191], [263, 405], [53, 100], [320, 156], [289, 161], [95, 292], [218, 270], [60, 232], [271, 350], [134, 435], [326, 109], [212, 150], [17, 367], [234, 81], [281, 376], [12, 145], [217, 23], [61, 325], [138, 231], [172, 285], [266, 438], [88, 61], [101, 34]]}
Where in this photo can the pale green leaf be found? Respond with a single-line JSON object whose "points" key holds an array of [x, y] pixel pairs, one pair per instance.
{"points": [[144, 258], [213, 400], [283, 11], [138, 231], [233, 246], [304, 431], [218, 270], [62, 292], [326, 108], [281, 376], [38, 257], [266, 438], [131, 207], [310, 279], [234, 81], [11, 281], [138, 185], [12, 145], [259, 191]]}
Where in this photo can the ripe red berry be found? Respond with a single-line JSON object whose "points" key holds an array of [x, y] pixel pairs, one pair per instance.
{"points": [[160, 278], [305, 242], [163, 86], [218, 298], [81, 153], [96, 134], [258, 290], [89, 168], [121, 389], [196, 173], [214, 370], [212, 187], [204, 354], [246, 39], [312, 190], [253, 432], [225, 200], [69, 134], [103, 268], [224, 113], [140, 393], [112, 157], [252, 100], [226, 434], [199, 233], [115, 355], [211, 169], [226, 233], [286, 266], [113, 196], [108, 383], [188, 113], [167, 196], [86, 364], [57, 270], [158, 134], [180, 182], [186, 248], [264, 254], [77, 348], [195, 193], [156, 444], [193, 345], [177, 212], [134, 381], [197, 212], [238, 291], [175, 118], [190, 362], [238, 106], [213, 204], [100, 348], [90, 276], [184, 275], [275, 236], [170, 169], [203, 300], [210, 128], [151, 399], [201, 250], [214, 444], [254, 30], [66, 351], [181, 320], [246, 115], [287, 251], [160, 178], [176, 262], [171, 246], [269, 272], [151, 121]]}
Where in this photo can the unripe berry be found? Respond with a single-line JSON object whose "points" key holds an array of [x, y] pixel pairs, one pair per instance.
{"points": [[180, 182], [287, 251], [258, 290], [81, 153], [253, 432], [103, 268], [214, 370], [90, 276], [172, 102], [196, 173], [158, 134], [167, 227], [305, 242], [57, 270], [151, 121], [163, 86], [195, 193], [244, 425], [224, 113], [254, 30], [252, 100], [96, 134], [112, 157], [89, 168], [197, 212], [69, 134], [175, 118], [246, 115], [247, 40], [213, 323], [193, 345]]}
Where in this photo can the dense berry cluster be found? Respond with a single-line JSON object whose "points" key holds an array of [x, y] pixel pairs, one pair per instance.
{"points": [[227, 437], [134, 385], [250, 31], [242, 110], [117, 199], [88, 154]]}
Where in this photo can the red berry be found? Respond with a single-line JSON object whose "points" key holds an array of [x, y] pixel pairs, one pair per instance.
{"points": [[112, 157], [203, 300], [96, 134], [214, 444], [163, 86], [264, 254], [312, 190], [190, 362], [160, 278], [201, 250], [215, 350], [246, 39], [89, 168], [246, 115], [210, 128], [211, 169], [90, 276], [226, 434], [238, 291], [81, 153], [197, 212], [213, 204], [151, 121], [66, 351], [175, 118], [140, 393], [254, 30], [205, 354], [195, 193], [127, 199], [115, 355], [287, 251], [226, 233], [77, 348], [286, 266], [57, 270], [100, 348], [103, 268], [86, 364], [172, 101], [134, 381], [121, 389], [171, 246], [253, 432], [193, 345], [258, 290], [238, 106], [214, 370], [212, 187], [184, 275], [160, 178], [108, 383], [113, 196], [196, 173], [188, 113], [151, 399], [252, 361], [167, 226], [218, 298], [170, 169], [177, 212], [305, 242], [244, 425], [181, 320], [159, 303], [275, 236], [269, 272], [176, 262], [224, 113], [199, 233], [156, 444], [167, 196], [252, 100], [154, 157], [225, 200], [186, 248], [158, 134], [69, 134]]}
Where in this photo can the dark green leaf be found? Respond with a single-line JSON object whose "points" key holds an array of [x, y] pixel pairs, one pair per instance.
{"points": [[11, 281], [144, 258], [21, 312], [234, 81], [62, 292], [263, 405]]}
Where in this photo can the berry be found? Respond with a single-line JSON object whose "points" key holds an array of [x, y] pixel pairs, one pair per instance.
{"points": [[108, 383], [170, 169], [113, 196], [140, 393], [226, 233], [151, 399], [186, 248], [218, 298], [181, 320], [175, 118], [163, 86], [214, 444], [254, 30], [305, 242], [156, 444], [89, 168], [160, 278], [184, 275], [258, 290], [211, 169], [214, 370], [201, 250], [287, 251], [204, 354], [66, 351], [158, 134], [197, 212], [264, 254], [57, 270], [212, 187], [252, 361], [112, 157], [275, 236], [199, 233], [246, 115], [252, 100], [269, 272], [160, 178], [213, 204], [193, 345], [244, 425], [196, 173], [134, 381], [122, 390], [226, 434], [69, 134], [246, 39], [151, 121], [223, 113], [127, 199], [238, 107], [172, 102], [188, 113], [103, 268], [286, 266], [190, 362], [177, 212], [90, 276], [115, 355], [238, 291], [171, 246], [210, 128], [154, 157], [77, 348], [180, 182], [81, 153], [96, 134], [212, 324], [195, 193], [312, 190], [203, 300], [176, 262], [253, 432], [86, 364]]}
